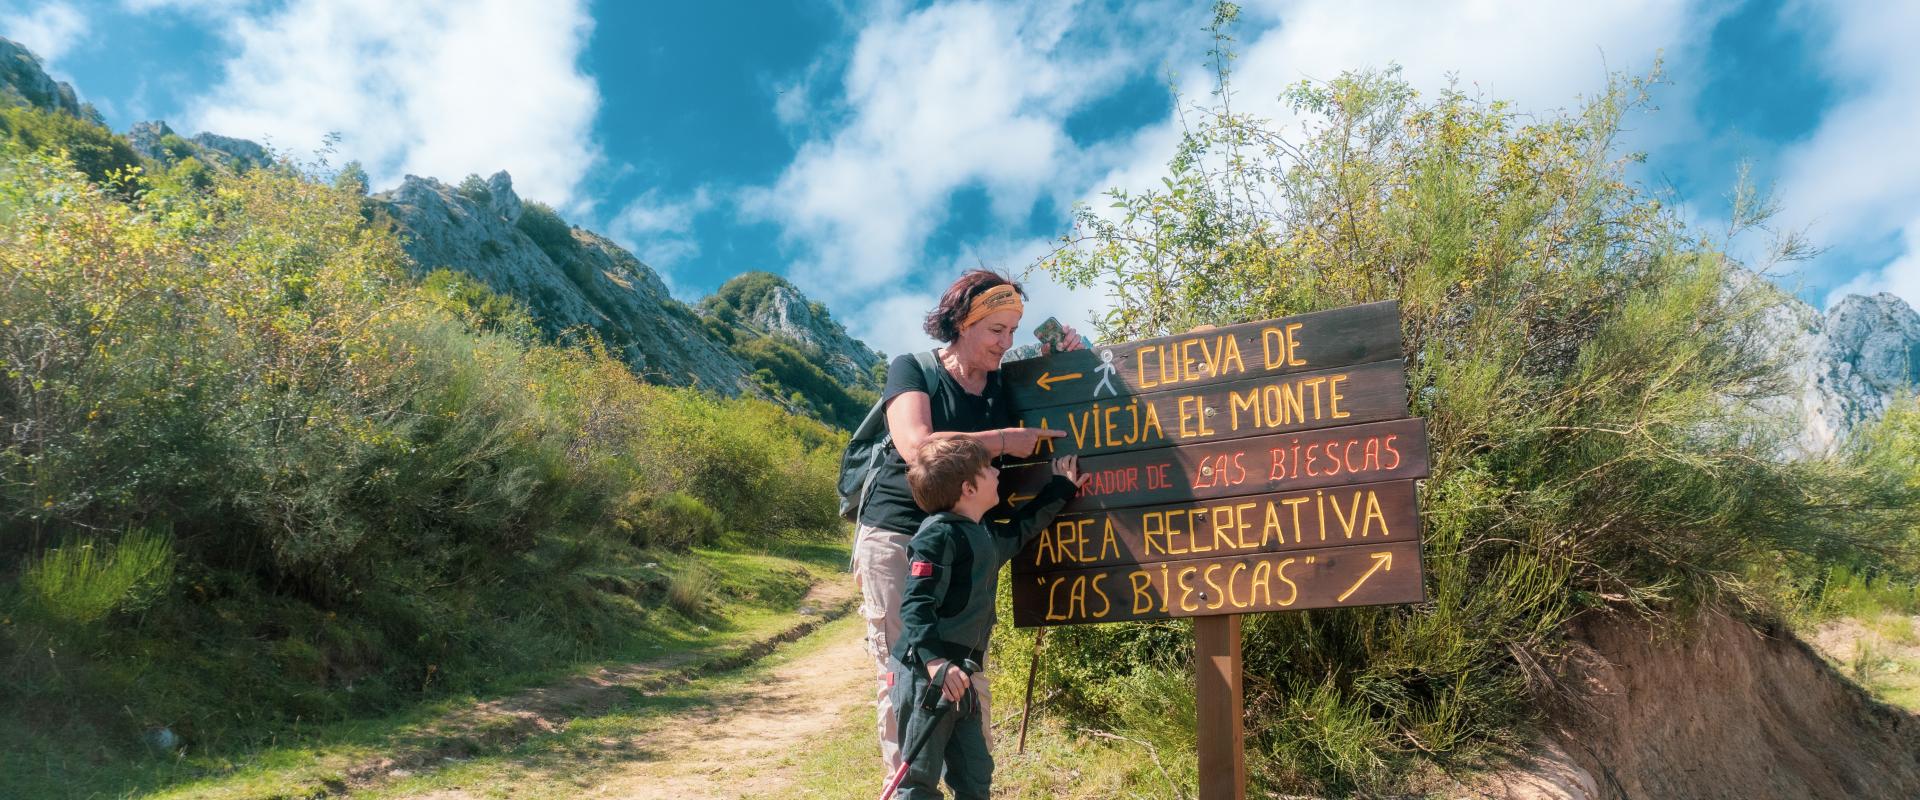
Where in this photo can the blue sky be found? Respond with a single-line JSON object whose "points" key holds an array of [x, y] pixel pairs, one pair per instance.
{"points": [[870, 150]]}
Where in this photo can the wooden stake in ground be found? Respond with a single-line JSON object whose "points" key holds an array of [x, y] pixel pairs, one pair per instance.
{"points": [[1216, 668], [1033, 667]]}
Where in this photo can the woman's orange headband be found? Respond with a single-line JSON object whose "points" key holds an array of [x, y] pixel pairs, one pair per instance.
{"points": [[998, 298]]}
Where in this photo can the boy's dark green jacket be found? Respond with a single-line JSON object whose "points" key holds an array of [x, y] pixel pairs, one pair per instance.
{"points": [[953, 568]]}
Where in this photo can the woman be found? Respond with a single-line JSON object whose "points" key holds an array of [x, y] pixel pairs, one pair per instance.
{"points": [[976, 319]]}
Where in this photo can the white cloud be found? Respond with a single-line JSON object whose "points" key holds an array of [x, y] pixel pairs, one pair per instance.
{"points": [[889, 319], [1857, 177], [890, 322], [1899, 277], [442, 88], [50, 30], [968, 95], [958, 95], [660, 230], [1539, 56], [198, 6]]}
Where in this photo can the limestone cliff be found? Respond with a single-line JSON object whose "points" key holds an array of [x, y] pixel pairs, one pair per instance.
{"points": [[571, 278], [24, 82], [1846, 365], [769, 304]]}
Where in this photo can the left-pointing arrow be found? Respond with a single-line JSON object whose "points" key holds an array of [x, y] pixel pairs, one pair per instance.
{"points": [[1046, 380]]}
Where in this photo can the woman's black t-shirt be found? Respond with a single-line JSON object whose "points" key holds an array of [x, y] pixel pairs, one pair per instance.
{"points": [[890, 506]]}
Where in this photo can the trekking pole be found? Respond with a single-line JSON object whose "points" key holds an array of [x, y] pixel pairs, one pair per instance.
{"points": [[936, 703], [1039, 638]]}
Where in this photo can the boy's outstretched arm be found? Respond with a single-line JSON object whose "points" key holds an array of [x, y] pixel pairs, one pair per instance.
{"points": [[1029, 519]]}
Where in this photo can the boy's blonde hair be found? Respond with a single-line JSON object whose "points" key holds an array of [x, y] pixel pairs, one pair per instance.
{"points": [[943, 469]]}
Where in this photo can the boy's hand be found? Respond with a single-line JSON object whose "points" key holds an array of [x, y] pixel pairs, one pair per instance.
{"points": [[957, 681], [1069, 467]]}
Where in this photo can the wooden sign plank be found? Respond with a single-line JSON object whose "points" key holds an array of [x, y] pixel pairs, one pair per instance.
{"points": [[1268, 523], [1321, 340], [1373, 452], [1302, 401], [1332, 577]]}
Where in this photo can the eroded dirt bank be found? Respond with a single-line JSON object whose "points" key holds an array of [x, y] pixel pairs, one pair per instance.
{"points": [[1720, 710]]}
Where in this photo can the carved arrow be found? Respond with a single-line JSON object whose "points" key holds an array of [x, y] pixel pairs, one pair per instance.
{"points": [[1380, 561], [1047, 379]]}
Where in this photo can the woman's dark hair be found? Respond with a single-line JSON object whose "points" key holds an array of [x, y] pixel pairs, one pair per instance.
{"points": [[943, 323]]}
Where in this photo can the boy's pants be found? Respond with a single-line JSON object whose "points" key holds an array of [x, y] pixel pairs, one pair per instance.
{"points": [[880, 567], [955, 743]]}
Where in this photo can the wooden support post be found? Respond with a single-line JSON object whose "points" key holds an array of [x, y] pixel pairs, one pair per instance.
{"points": [[1033, 668], [1216, 663]]}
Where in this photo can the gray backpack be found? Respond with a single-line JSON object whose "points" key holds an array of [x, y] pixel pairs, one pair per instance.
{"points": [[860, 465]]}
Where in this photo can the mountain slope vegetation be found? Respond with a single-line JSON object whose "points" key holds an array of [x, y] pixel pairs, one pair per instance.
{"points": [[254, 475]]}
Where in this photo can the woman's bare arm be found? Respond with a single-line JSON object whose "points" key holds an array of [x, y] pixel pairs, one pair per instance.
{"points": [[910, 422]]}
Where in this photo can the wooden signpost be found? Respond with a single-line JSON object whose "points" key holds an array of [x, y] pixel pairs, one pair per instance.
{"points": [[1267, 466]]}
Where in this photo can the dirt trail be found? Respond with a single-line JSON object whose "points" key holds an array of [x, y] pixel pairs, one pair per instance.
{"points": [[741, 740], [741, 745]]}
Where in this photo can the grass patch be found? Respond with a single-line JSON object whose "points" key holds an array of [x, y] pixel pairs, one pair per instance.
{"points": [[751, 596]]}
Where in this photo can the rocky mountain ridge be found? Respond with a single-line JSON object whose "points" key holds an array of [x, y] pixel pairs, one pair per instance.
{"points": [[1848, 363], [24, 82], [769, 304], [571, 278]]}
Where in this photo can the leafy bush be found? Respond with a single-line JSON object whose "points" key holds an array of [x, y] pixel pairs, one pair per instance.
{"points": [[1593, 375], [366, 480], [678, 520], [90, 148], [474, 188], [545, 227], [76, 585]]}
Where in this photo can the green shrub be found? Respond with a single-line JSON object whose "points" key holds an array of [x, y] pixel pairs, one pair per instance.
{"points": [[369, 482], [90, 148], [77, 585], [1591, 375], [677, 520], [545, 227], [474, 188]]}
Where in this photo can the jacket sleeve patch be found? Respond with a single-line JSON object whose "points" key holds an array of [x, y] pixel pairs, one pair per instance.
{"points": [[921, 569]]}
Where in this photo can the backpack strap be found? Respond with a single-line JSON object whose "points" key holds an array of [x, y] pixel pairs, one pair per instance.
{"points": [[930, 372], [929, 368]]}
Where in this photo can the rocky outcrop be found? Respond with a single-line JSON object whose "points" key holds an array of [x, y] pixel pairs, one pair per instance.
{"points": [[770, 305], [571, 278], [789, 314], [1847, 364], [155, 140], [24, 82]]}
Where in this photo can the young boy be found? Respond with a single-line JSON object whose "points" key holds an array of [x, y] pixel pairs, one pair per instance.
{"points": [[947, 611]]}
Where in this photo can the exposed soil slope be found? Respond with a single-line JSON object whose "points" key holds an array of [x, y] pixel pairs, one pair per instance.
{"points": [[1720, 711]]}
